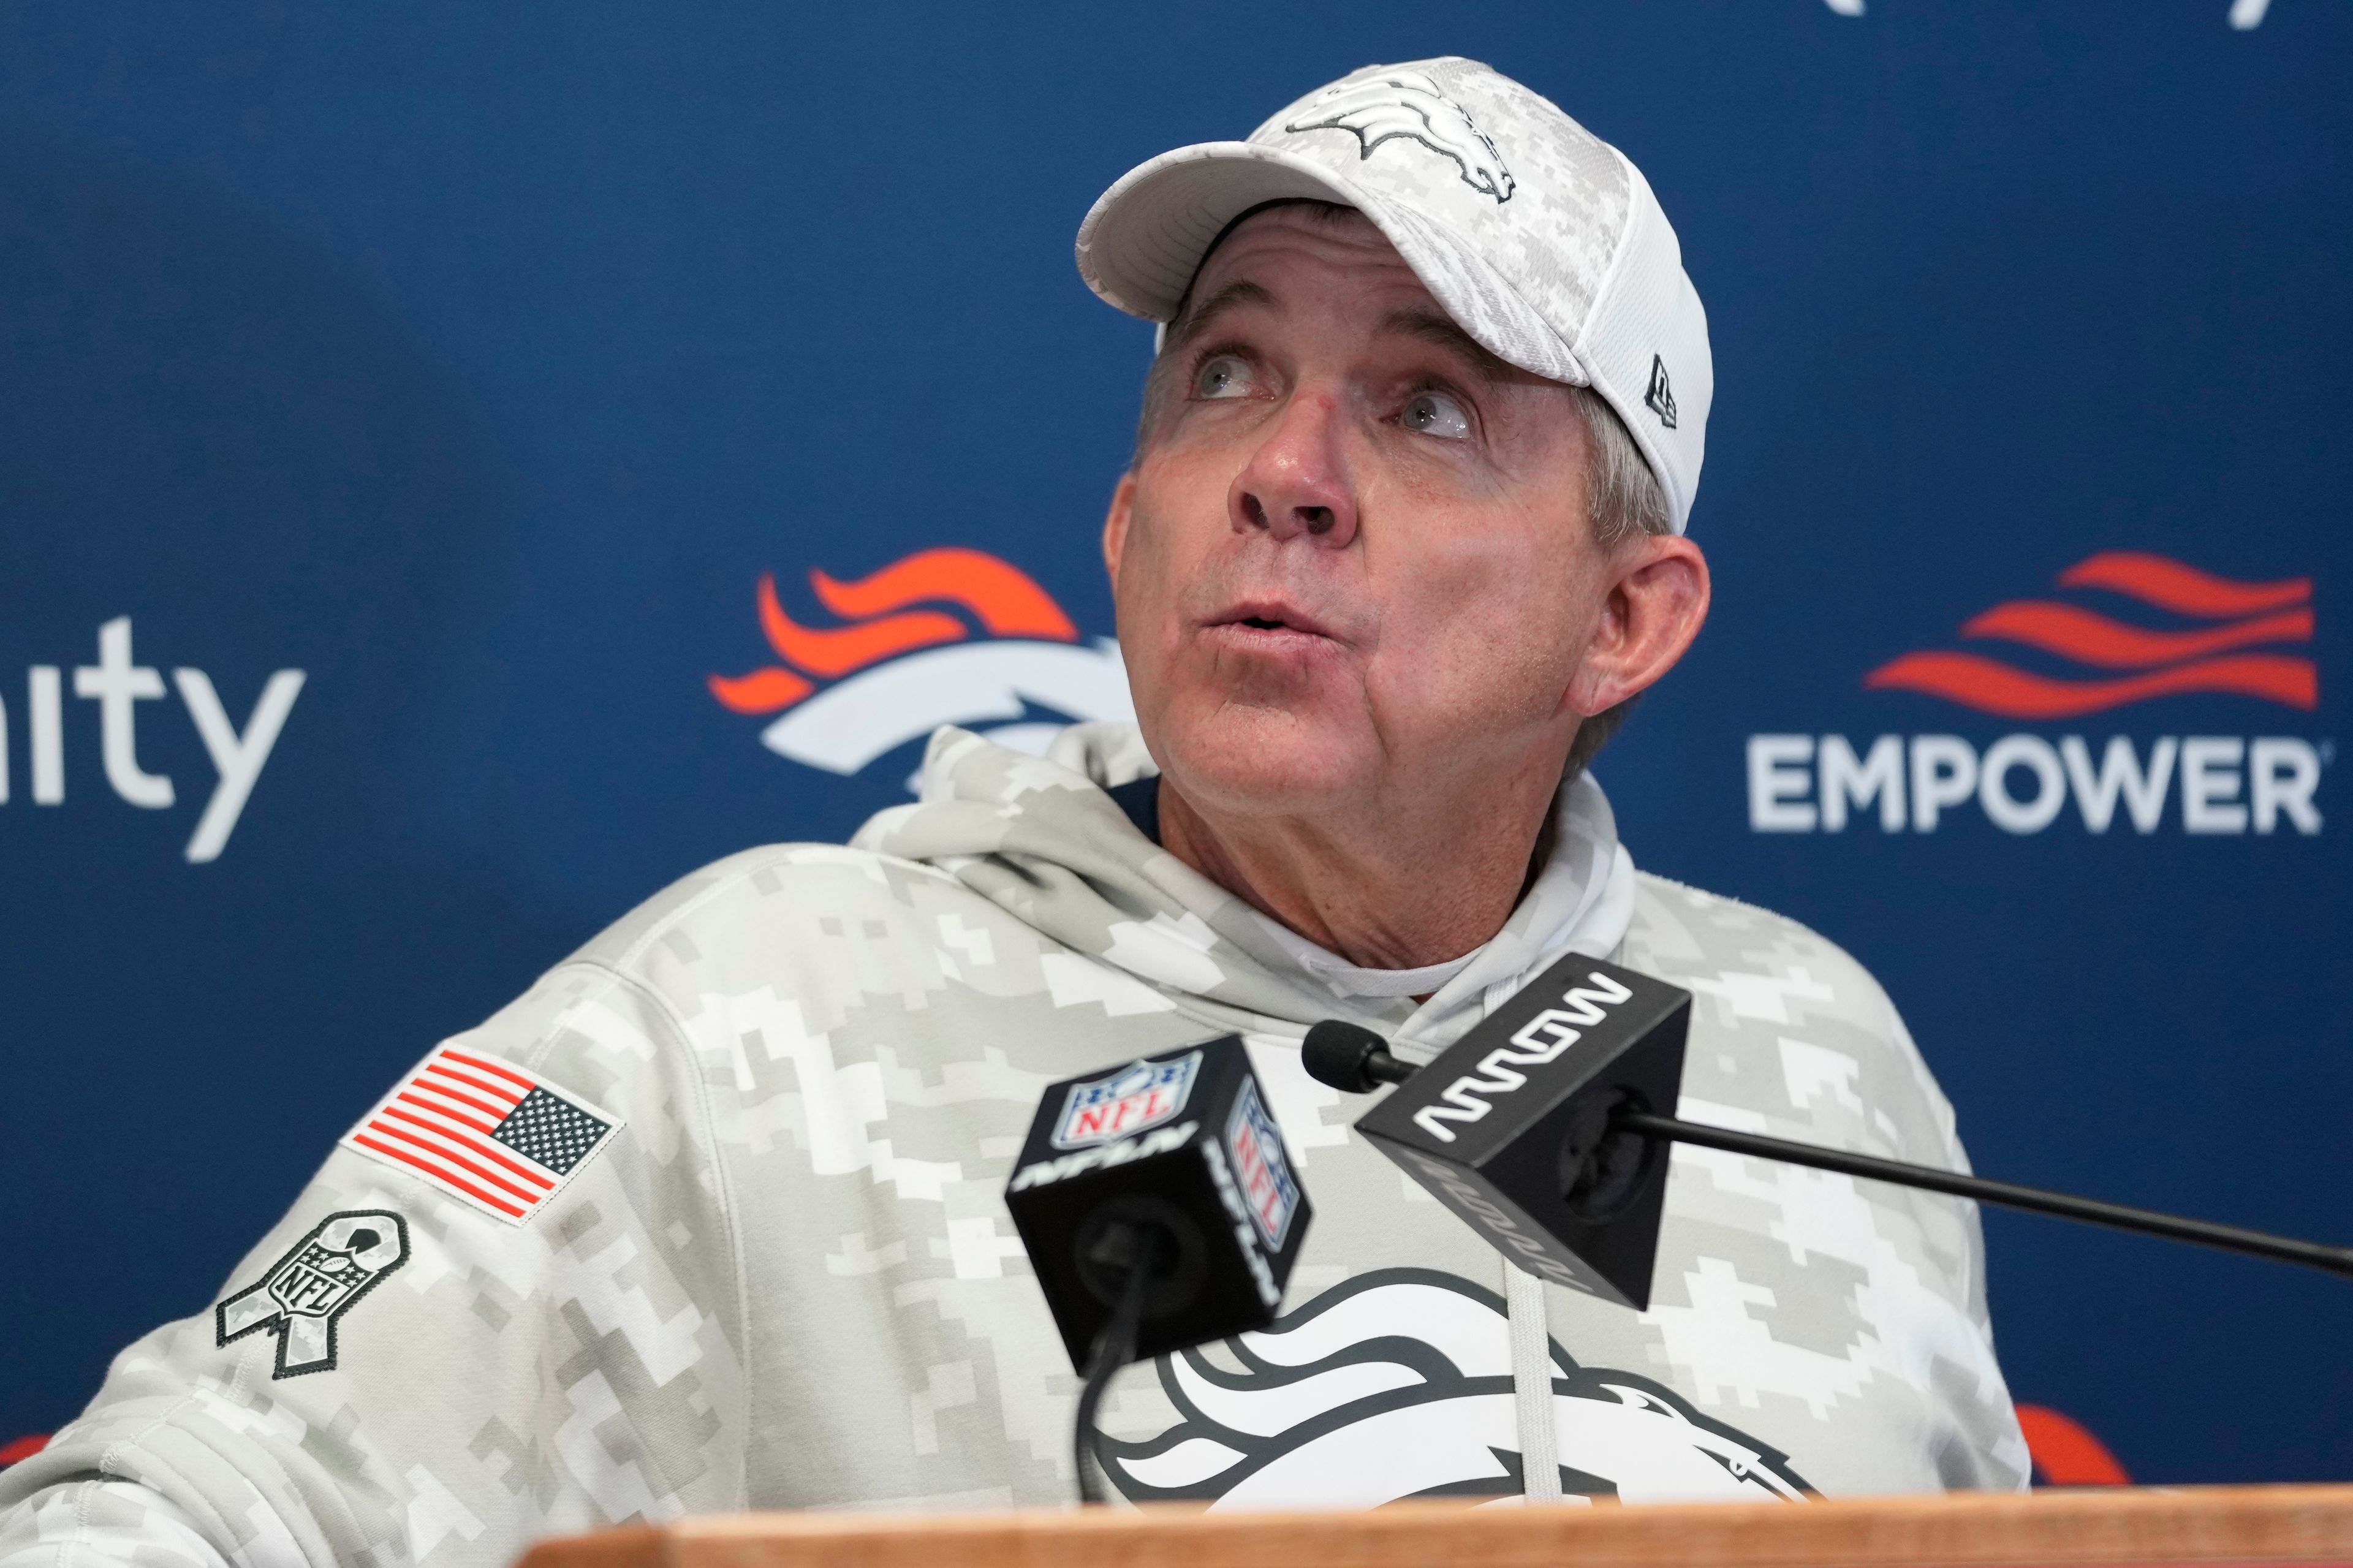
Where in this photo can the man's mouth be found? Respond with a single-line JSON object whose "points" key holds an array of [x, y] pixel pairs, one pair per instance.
{"points": [[1270, 625]]}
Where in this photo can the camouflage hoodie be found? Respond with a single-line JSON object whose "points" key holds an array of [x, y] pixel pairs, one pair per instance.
{"points": [[712, 1218]]}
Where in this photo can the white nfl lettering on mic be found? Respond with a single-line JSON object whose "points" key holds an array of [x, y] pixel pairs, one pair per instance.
{"points": [[1078, 1162]]}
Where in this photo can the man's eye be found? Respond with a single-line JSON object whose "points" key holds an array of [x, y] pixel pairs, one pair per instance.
{"points": [[1436, 414], [1224, 376]]}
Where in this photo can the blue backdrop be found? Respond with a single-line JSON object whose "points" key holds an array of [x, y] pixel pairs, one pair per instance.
{"points": [[477, 363]]}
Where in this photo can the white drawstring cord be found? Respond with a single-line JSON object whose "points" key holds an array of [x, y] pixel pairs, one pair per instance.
{"points": [[1523, 1301], [1524, 1298]]}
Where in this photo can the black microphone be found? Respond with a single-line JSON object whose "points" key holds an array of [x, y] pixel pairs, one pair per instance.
{"points": [[1159, 1209], [1546, 1128]]}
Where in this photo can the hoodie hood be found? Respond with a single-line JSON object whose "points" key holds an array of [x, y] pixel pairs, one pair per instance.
{"points": [[1040, 838]]}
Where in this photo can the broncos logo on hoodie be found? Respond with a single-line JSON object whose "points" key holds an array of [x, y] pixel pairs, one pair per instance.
{"points": [[1397, 1383]]}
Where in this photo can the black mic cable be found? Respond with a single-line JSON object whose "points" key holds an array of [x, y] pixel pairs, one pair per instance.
{"points": [[1142, 1252]]}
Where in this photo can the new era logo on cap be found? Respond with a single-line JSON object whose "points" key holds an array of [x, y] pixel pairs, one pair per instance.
{"points": [[1661, 398], [488, 1133]]}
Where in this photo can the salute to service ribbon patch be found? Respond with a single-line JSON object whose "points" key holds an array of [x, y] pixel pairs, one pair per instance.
{"points": [[313, 1285], [486, 1133]]}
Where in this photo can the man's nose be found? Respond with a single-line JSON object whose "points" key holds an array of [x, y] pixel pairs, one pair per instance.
{"points": [[1296, 484]]}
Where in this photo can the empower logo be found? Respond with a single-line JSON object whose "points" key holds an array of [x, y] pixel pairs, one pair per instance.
{"points": [[2188, 632], [942, 636]]}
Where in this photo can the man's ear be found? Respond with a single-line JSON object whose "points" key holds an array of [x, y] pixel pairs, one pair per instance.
{"points": [[1114, 534], [1656, 604]]}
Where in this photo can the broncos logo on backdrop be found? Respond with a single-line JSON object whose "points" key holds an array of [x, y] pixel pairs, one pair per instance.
{"points": [[1397, 1383], [1409, 104], [907, 660]]}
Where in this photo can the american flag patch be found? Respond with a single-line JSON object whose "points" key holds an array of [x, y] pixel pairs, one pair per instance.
{"points": [[483, 1131]]}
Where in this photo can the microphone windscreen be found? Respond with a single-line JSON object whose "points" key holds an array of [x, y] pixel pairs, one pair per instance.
{"points": [[1341, 1054]]}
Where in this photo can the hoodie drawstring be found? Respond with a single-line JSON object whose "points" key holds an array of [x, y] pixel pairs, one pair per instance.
{"points": [[1523, 1300], [1524, 1304]]}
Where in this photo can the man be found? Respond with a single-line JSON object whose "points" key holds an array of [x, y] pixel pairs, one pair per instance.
{"points": [[711, 1217]]}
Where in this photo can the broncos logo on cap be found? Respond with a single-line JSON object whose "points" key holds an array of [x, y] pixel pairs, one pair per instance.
{"points": [[1409, 104], [1397, 1383], [906, 662]]}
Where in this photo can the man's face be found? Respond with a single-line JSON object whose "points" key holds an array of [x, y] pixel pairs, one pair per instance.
{"points": [[1353, 563]]}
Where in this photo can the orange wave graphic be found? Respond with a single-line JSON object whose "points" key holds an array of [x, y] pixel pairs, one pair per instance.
{"points": [[837, 652], [766, 690], [2168, 662], [999, 596], [2170, 584], [2064, 1451], [1991, 687], [2089, 638]]}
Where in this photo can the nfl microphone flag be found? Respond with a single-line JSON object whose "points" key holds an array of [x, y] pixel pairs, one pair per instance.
{"points": [[1182, 1143], [486, 1133], [1510, 1125], [1144, 1094]]}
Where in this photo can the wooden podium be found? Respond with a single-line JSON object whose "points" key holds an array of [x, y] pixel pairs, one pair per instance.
{"points": [[2247, 1525]]}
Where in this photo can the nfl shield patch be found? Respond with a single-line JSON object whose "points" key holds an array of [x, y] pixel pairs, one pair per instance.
{"points": [[1141, 1095], [486, 1133], [1269, 1189]]}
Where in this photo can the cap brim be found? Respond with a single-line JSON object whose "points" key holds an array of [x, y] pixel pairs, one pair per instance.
{"points": [[1145, 238]]}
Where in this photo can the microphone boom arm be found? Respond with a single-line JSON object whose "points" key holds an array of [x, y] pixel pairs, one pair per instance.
{"points": [[2009, 1194], [1598, 1226]]}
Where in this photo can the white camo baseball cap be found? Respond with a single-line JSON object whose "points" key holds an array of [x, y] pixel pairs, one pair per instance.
{"points": [[1542, 241]]}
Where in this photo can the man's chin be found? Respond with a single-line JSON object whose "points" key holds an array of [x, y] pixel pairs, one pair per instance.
{"points": [[1258, 761]]}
